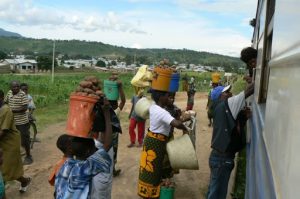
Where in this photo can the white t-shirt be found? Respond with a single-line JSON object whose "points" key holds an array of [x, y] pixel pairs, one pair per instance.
{"points": [[236, 103], [102, 182], [160, 120]]}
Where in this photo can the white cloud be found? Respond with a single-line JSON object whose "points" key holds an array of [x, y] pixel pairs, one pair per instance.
{"points": [[221, 6], [133, 28], [136, 45], [24, 13]]}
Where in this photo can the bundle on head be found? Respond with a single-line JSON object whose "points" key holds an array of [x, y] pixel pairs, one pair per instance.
{"points": [[89, 87], [165, 63]]}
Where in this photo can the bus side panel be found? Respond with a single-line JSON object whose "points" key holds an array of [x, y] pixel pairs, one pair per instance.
{"points": [[282, 127], [282, 123], [259, 180]]}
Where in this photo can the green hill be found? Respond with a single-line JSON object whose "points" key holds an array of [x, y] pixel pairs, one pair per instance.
{"points": [[4, 33], [31, 46]]}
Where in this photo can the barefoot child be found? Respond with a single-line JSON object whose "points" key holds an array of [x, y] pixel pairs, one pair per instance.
{"points": [[75, 177]]}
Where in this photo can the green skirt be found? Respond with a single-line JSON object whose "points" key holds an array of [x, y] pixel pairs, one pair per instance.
{"points": [[151, 165]]}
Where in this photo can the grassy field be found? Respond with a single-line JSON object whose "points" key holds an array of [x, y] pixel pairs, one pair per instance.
{"points": [[240, 180], [52, 99]]}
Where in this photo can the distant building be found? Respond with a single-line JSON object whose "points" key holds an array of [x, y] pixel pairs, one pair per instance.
{"points": [[77, 63], [21, 65], [4, 68]]}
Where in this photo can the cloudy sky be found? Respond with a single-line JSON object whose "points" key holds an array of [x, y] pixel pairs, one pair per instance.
{"points": [[218, 26]]}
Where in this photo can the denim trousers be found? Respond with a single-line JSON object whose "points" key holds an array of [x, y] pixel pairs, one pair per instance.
{"points": [[220, 170]]}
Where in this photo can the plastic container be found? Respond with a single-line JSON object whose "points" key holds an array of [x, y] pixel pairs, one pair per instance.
{"points": [[182, 154], [142, 106], [167, 192], [174, 84], [161, 78], [142, 78], [111, 90], [80, 116], [215, 77]]}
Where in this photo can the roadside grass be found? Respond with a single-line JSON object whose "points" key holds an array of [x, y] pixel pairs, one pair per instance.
{"points": [[51, 115], [240, 179]]}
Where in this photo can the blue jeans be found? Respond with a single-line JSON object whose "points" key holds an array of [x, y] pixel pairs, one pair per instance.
{"points": [[220, 170]]}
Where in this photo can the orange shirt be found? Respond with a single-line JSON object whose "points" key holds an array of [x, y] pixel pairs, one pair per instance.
{"points": [[55, 170]]}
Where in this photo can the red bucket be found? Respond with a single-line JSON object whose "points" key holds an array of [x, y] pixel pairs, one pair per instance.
{"points": [[80, 116]]}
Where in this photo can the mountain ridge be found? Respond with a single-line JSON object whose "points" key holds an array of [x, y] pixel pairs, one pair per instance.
{"points": [[73, 48], [5, 33]]}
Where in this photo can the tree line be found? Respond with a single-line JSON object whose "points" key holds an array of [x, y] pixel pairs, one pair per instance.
{"points": [[75, 49]]}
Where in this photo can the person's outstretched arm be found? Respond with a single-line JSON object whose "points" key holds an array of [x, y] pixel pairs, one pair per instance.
{"points": [[107, 135], [179, 125], [122, 95]]}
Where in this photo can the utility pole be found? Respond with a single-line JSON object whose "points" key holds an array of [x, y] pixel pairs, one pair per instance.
{"points": [[53, 59]]}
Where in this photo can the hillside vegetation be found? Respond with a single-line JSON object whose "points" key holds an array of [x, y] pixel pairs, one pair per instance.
{"points": [[97, 49]]}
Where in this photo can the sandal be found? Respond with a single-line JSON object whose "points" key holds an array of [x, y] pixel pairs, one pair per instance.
{"points": [[24, 189]]}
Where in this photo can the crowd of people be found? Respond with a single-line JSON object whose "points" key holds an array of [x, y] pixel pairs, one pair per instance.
{"points": [[88, 164]]}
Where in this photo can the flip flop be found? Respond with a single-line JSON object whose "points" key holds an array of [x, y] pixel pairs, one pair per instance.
{"points": [[24, 189]]}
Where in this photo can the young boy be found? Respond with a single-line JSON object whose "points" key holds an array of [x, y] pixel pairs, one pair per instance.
{"points": [[117, 109], [64, 144], [31, 106], [191, 94], [135, 120], [75, 177]]}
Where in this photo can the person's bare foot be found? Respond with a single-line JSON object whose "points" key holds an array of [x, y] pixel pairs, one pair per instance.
{"points": [[140, 145], [116, 172], [130, 145]]}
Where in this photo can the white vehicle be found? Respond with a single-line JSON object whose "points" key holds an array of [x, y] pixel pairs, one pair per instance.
{"points": [[273, 159]]}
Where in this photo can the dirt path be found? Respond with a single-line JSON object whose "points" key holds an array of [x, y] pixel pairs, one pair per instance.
{"points": [[190, 184]]}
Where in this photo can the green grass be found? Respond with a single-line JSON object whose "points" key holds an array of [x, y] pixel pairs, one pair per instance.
{"points": [[51, 99], [50, 115], [238, 86], [202, 80], [240, 180], [46, 93]]}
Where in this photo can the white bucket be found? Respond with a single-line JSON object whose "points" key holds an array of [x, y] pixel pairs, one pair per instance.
{"points": [[142, 107], [182, 154]]}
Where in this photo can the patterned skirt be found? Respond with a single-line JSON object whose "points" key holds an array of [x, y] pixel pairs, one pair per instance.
{"points": [[151, 165]]}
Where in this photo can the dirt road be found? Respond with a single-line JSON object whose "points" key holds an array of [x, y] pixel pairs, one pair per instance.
{"points": [[190, 184]]}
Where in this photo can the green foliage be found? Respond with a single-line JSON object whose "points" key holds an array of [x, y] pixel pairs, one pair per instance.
{"points": [[128, 59], [238, 86], [77, 49], [114, 63], [3, 55], [101, 63], [240, 180], [45, 62], [46, 93], [202, 80]]}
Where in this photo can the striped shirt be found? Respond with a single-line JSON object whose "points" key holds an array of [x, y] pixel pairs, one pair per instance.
{"points": [[17, 102]]}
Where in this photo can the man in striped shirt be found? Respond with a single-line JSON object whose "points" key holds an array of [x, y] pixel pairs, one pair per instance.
{"points": [[18, 103]]}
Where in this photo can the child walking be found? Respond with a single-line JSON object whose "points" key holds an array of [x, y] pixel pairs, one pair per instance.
{"points": [[135, 120]]}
